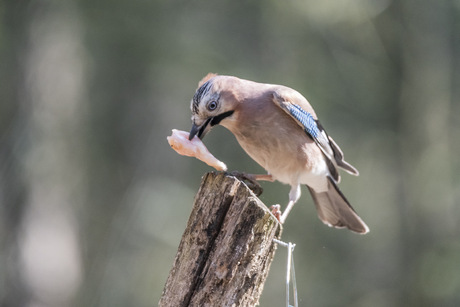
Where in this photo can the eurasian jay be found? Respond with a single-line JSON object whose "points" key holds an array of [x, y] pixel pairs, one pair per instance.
{"points": [[279, 129]]}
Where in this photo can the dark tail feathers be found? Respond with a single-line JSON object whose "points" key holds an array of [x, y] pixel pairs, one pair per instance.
{"points": [[335, 210]]}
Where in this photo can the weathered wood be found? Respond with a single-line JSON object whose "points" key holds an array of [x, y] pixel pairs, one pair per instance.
{"points": [[226, 250]]}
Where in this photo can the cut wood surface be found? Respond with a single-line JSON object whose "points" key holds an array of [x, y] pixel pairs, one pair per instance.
{"points": [[226, 250]]}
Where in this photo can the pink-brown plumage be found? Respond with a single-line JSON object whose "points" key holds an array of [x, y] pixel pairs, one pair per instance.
{"points": [[278, 128]]}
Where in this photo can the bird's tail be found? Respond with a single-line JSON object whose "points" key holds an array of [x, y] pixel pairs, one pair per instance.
{"points": [[334, 209]]}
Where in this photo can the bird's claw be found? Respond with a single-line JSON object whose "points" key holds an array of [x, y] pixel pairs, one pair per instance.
{"points": [[250, 181], [276, 211]]}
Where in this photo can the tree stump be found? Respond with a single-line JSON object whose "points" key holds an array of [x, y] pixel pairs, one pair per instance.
{"points": [[226, 250]]}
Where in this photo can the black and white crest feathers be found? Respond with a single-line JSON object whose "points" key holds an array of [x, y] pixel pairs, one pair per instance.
{"points": [[199, 94]]}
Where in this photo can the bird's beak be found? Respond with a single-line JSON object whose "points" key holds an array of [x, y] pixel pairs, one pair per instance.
{"points": [[195, 129], [199, 131]]}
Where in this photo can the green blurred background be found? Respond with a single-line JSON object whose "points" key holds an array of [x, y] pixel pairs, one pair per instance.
{"points": [[93, 201]]}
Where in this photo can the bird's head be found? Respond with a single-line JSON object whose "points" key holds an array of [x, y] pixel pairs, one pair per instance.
{"points": [[210, 105]]}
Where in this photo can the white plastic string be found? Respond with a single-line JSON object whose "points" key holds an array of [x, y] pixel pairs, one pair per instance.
{"points": [[294, 282], [290, 272]]}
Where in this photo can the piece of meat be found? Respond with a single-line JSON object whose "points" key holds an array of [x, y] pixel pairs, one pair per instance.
{"points": [[195, 148]]}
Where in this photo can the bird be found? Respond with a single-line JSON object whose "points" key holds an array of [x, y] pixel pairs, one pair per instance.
{"points": [[278, 128]]}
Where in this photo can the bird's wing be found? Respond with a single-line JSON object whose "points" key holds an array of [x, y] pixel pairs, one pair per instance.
{"points": [[296, 106]]}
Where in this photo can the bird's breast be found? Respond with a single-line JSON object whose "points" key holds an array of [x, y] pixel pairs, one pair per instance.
{"points": [[281, 147]]}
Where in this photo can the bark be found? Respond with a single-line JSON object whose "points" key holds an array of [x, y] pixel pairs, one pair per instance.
{"points": [[226, 250]]}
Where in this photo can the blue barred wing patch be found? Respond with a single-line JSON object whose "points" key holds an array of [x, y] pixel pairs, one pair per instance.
{"points": [[306, 119]]}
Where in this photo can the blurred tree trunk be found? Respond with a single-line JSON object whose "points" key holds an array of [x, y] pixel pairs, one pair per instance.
{"points": [[425, 106], [13, 137], [226, 250], [44, 173]]}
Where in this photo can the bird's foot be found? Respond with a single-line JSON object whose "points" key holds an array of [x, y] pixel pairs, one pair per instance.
{"points": [[276, 211], [250, 180]]}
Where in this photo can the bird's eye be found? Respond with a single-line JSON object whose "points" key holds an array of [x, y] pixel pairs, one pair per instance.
{"points": [[212, 105]]}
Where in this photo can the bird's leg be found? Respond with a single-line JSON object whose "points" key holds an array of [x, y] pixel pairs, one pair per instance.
{"points": [[252, 177], [286, 211], [251, 180], [294, 196], [262, 177]]}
